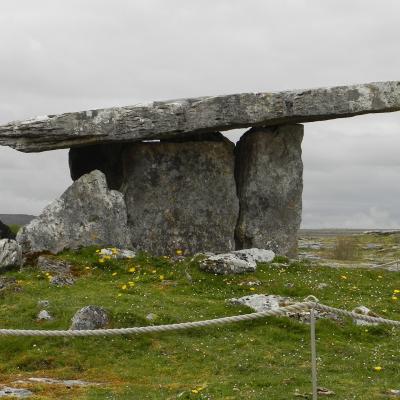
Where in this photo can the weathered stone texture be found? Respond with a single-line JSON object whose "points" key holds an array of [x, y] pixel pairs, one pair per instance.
{"points": [[87, 214], [269, 173], [181, 196], [178, 118], [103, 157], [90, 317], [10, 254]]}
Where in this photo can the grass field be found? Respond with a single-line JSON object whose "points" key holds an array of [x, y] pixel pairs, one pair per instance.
{"points": [[265, 359]]}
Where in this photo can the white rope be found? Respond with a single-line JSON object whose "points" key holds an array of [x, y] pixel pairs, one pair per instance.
{"points": [[310, 303], [298, 307]]}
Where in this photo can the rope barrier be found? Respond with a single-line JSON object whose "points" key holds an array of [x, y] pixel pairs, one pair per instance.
{"points": [[310, 303], [298, 307]]}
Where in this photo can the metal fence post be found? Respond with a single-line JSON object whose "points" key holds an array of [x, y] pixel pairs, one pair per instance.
{"points": [[313, 355]]}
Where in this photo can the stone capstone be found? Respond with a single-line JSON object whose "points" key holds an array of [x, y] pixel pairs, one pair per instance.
{"points": [[178, 118], [181, 196], [86, 214], [103, 157], [269, 176], [10, 254], [5, 232], [90, 317]]}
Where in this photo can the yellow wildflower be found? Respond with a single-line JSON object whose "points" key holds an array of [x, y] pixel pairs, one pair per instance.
{"points": [[343, 276], [101, 260], [114, 273], [87, 267], [161, 277], [119, 295], [124, 287], [252, 289], [394, 298], [377, 369], [179, 252], [130, 283], [132, 269], [396, 291], [97, 251]]}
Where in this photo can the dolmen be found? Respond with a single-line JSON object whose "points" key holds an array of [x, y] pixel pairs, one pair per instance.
{"points": [[161, 176]]}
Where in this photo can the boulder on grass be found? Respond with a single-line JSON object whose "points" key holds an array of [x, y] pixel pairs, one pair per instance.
{"points": [[90, 317], [236, 262], [10, 254], [87, 214]]}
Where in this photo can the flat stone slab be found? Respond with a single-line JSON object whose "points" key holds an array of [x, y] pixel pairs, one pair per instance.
{"points": [[177, 118]]}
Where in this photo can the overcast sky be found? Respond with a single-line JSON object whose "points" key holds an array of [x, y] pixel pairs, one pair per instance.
{"points": [[69, 55]]}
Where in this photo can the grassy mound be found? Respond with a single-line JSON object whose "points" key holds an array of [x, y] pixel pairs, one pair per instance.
{"points": [[255, 360]]}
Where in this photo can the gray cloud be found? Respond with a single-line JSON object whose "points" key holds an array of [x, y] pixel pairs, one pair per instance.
{"points": [[59, 56]]}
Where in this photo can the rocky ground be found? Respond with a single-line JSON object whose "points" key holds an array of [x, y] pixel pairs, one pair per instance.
{"points": [[95, 288]]}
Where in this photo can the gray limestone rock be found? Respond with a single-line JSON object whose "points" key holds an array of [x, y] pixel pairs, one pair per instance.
{"points": [[62, 280], [53, 265], [174, 118], [87, 214], [44, 315], [103, 157], [15, 393], [228, 263], [181, 196], [90, 317], [10, 254], [269, 173], [258, 255]]}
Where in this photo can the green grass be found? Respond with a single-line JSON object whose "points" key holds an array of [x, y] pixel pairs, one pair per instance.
{"points": [[14, 228], [264, 359]]}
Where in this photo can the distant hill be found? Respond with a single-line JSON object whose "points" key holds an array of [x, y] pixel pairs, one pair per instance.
{"points": [[16, 219]]}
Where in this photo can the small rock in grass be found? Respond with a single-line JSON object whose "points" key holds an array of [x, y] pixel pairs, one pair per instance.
{"points": [[8, 282], [90, 317], [43, 303], [118, 254], [151, 317], [51, 381], [62, 280], [229, 263], [10, 254], [322, 285], [44, 316], [53, 265], [362, 310], [14, 392]]}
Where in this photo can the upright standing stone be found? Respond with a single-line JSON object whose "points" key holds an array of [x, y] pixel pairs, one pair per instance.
{"points": [[269, 173], [181, 196], [86, 214]]}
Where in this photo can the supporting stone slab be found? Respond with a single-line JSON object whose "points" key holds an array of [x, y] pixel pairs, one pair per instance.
{"points": [[269, 174], [181, 196]]}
